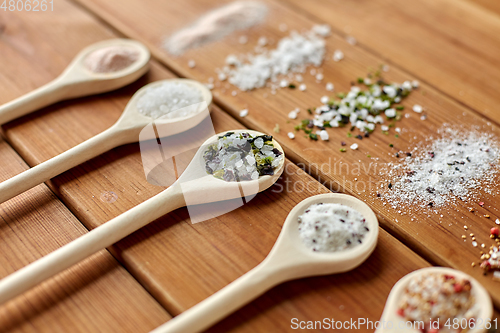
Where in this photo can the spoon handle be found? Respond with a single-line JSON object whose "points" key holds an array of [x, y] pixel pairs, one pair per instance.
{"points": [[225, 301], [48, 94], [90, 243], [42, 172]]}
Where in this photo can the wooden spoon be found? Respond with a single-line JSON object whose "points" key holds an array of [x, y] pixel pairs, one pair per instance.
{"points": [[485, 310], [289, 259], [194, 186], [125, 130], [78, 81]]}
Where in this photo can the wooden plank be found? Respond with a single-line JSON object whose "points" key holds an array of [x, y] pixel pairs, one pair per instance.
{"points": [[437, 238], [492, 5], [180, 263], [99, 288]]}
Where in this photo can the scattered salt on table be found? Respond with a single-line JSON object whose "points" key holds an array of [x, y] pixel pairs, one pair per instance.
{"points": [[293, 54]]}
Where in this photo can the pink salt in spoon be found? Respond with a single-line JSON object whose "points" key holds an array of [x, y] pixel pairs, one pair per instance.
{"points": [[78, 80], [391, 322]]}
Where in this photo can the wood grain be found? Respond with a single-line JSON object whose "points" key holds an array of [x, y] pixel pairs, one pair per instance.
{"points": [[439, 42], [436, 238], [37, 223], [178, 262]]}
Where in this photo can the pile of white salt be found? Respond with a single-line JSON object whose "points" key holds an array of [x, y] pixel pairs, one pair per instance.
{"points": [[329, 227]]}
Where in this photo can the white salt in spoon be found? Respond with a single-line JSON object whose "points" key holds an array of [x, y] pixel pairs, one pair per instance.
{"points": [[289, 259], [78, 81], [125, 130], [483, 300], [193, 187]]}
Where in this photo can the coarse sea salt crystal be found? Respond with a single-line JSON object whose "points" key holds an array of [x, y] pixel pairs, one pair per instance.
{"points": [[330, 227], [354, 146], [302, 87], [291, 135], [191, 63], [417, 108], [324, 99], [319, 76], [324, 135], [222, 76], [384, 128], [329, 86], [244, 113], [497, 221]]}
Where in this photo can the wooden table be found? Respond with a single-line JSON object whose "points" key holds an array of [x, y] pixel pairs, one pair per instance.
{"points": [[170, 265]]}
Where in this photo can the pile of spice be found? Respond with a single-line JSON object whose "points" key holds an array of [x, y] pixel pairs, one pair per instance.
{"points": [[169, 100], [434, 296], [240, 156], [111, 59], [292, 55], [455, 166], [359, 109], [217, 24], [329, 227]]}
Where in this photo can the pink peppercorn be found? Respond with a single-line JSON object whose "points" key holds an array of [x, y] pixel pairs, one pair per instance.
{"points": [[458, 287], [494, 231], [481, 204]]}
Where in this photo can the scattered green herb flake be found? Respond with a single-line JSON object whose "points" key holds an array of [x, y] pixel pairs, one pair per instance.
{"points": [[343, 150], [349, 135], [386, 133], [391, 145], [360, 80], [369, 156], [309, 111], [400, 107], [291, 86], [313, 136], [396, 136]]}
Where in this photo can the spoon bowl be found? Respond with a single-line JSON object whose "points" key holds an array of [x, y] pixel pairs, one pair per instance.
{"points": [[483, 300], [194, 187], [289, 259], [78, 81], [128, 129]]}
